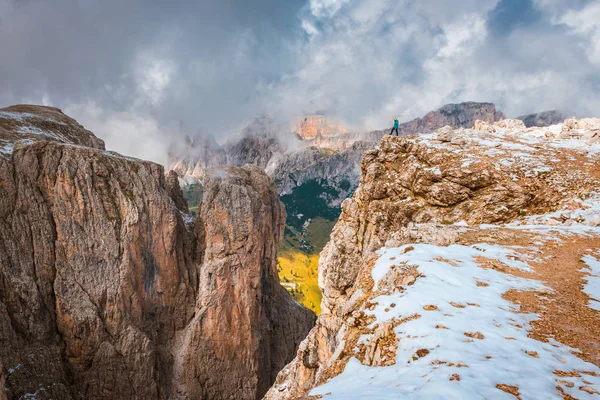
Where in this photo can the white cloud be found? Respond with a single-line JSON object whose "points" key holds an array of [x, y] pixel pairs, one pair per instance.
{"points": [[380, 58], [463, 36], [376, 59], [326, 8], [133, 134], [309, 28], [586, 24], [152, 76]]}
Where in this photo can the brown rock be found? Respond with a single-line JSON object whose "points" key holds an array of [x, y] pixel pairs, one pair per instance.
{"points": [[243, 222], [588, 389], [413, 190], [381, 351], [445, 134], [454, 377], [566, 383], [105, 290], [514, 390], [475, 335]]}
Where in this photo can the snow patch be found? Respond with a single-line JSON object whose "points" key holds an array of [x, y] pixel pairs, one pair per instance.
{"points": [[16, 116], [188, 219], [483, 340], [592, 286], [6, 147]]}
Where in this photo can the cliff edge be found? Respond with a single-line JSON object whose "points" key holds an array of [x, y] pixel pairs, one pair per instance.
{"points": [[464, 266]]}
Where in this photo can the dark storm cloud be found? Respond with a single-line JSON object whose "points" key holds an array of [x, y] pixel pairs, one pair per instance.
{"points": [[75, 51], [510, 14]]}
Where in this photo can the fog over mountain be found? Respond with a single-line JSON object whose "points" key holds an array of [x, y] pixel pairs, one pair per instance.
{"points": [[141, 73]]}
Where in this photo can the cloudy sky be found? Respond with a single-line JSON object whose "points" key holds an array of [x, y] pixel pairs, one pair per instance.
{"points": [[143, 72]]}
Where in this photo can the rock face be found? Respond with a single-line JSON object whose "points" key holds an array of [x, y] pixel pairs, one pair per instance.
{"points": [[333, 167], [446, 236], [246, 324], [462, 115], [544, 118], [26, 122], [109, 289], [315, 126]]}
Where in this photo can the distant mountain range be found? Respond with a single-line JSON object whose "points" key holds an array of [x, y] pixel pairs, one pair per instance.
{"points": [[319, 150]]}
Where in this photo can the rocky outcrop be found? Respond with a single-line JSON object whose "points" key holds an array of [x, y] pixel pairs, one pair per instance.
{"points": [[24, 123], [435, 219], [462, 115], [246, 324], [321, 131], [541, 119], [109, 289]]}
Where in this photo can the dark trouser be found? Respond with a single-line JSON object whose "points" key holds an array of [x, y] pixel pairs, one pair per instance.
{"points": [[394, 129]]}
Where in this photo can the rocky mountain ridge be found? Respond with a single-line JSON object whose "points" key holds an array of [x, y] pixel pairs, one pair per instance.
{"points": [[464, 266], [110, 289], [315, 165], [316, 139], [462, 115], [322, 151]]}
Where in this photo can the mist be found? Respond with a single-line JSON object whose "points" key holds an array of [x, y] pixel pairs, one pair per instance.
{"points": [[145, 74]]}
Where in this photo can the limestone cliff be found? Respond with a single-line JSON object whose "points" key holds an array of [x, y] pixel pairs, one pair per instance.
{"points": [[323, 132], [454, 115], [246, 325], [333, 167], [462, 267], [109, 289]]}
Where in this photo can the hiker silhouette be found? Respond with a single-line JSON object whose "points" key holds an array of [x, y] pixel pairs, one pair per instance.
{"points": [[395, 128]]}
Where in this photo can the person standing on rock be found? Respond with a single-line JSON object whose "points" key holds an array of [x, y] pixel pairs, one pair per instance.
{"points": [[395, 128]]}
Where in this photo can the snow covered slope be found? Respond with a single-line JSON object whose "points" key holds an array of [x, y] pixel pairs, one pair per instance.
{"points": [[454, 333], [465, 266]]}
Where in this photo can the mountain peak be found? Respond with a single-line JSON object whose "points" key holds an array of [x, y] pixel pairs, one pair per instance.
{"points": [[25, 123], [314, 127]]}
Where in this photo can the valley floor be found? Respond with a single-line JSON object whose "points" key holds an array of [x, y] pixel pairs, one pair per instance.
{"points": [[298, 261], [298, 274]]}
